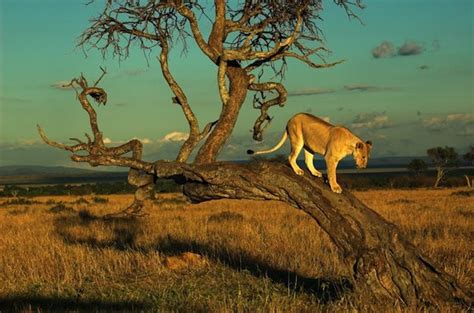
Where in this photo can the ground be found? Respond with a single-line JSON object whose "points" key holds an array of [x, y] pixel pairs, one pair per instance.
{"points": [[219, 256]]}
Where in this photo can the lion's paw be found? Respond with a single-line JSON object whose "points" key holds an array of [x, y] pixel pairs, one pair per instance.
{"points": [[336, 189], [317, 173], [299, 172]]}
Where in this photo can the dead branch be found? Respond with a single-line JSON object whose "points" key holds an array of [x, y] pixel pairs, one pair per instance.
{"points": [[259, 103], [141, 173]]}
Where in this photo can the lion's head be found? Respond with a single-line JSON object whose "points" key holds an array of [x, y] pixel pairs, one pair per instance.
{"points": [[361, 153]]}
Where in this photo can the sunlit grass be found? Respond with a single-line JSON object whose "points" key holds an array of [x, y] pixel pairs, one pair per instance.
{"points": [[227, 255]]}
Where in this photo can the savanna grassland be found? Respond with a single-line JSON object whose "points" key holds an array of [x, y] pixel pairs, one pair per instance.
{"points": [[219, 256]]}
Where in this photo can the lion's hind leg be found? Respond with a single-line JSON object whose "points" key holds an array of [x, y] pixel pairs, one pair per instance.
{"points": [[296, 146], [308, 158]]}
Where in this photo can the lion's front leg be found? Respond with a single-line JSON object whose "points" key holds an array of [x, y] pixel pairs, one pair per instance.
{"points": [[331, 165], [309, 159]]}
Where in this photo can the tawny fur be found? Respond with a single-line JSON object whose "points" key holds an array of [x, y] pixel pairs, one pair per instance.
{"points": [[315, 135]]}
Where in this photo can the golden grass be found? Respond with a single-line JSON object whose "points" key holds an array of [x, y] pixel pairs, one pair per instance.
{"points": [[219, 256]]}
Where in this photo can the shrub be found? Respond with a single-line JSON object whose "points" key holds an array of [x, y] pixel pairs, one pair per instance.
{"points": [[61, 208], [100, 200]]}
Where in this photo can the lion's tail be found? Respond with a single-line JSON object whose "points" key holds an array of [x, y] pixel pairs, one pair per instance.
{"points": [[278, 146]]}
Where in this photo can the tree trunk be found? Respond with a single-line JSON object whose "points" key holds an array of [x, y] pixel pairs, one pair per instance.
{"points": [[382, 261], [238, 82], [469, 185], [439, 176]]}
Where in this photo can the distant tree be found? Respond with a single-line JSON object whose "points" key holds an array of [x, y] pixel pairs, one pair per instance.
{"points": [[444, 159], [417, 166], [469, 156]]}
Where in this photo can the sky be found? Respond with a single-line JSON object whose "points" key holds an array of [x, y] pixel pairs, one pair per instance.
{"points": [[407, 83]]}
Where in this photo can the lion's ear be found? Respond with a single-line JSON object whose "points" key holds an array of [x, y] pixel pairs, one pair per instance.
{"points": [[359, 145], [368, 143]]}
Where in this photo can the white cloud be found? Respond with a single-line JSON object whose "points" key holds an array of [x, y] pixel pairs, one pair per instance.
{"points": [[460, 117], [462, 123], [373, 120], [174, 136]]}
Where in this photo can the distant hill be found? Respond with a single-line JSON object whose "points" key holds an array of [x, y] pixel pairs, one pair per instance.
{"points": [[21, 170], [31, 174]]}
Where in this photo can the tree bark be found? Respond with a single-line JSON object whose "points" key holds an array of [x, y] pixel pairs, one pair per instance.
{"points": [[382, 261], [238, 82], [439, 176]]}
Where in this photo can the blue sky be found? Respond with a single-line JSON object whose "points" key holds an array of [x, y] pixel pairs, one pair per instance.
{"points": [[403, 103]]}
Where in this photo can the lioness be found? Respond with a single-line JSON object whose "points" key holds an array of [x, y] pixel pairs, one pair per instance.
{"points": [[318, 136]]}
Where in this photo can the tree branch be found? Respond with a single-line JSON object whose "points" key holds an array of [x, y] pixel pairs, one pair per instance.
{"points": [[141, 173], [264, 106]]}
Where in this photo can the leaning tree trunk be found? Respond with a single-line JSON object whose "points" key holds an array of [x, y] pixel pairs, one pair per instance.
{"points": [[439, 176], [382, 261]]}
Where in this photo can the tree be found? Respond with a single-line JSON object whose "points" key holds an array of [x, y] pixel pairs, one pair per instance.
{"points": [[469, 156], [246, 39], [417, 166], [444, 159]]}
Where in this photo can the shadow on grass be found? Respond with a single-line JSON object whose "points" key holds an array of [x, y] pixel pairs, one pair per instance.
{"points": [[124, 233], [34, 303], [325, 289]]}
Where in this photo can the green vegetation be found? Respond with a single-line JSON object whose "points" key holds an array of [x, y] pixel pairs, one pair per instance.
{"points": [[163, 185]]}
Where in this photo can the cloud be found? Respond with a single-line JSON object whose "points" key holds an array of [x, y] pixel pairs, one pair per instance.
{"points": [[310, 92], [384, 50], [374, 120], [461, 124], [387, 50], [62, 85], [363, 88], [144, 141], [174, 136], [460, 117], [410, 48]]}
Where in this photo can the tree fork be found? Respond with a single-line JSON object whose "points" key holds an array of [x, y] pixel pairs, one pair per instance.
{"points": [[238, 83]]}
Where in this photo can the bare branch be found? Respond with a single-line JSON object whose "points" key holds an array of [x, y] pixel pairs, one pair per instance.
{"points": [[259, 103], [104, 71], [99, 154]]}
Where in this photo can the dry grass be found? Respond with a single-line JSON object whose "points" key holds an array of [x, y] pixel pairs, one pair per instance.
{"points": [[220, 256]]}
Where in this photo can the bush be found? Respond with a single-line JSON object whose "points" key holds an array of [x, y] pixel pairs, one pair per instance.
{"points": [[22, 201], [61, 208], [100, 200]]}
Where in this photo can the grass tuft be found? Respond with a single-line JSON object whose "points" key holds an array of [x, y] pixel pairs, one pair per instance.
{"points": [[61, 208]]}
